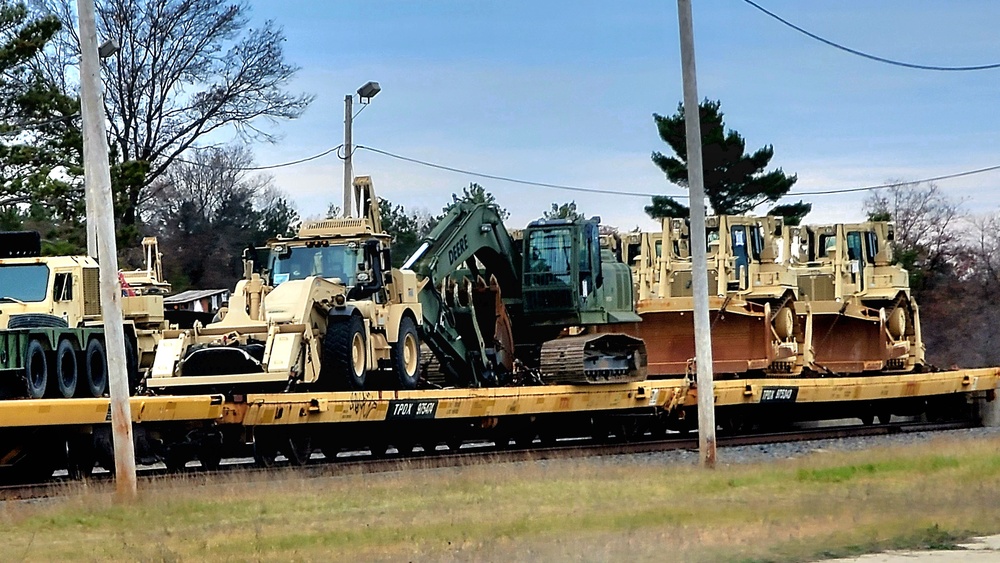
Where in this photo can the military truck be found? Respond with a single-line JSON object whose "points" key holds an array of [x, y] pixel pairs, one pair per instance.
{"points": [[52, 335], [322, 309]]}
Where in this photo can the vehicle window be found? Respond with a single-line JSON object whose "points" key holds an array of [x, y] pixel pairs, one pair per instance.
{"points": [[872, 246], [326, 261], [62, 288], [24, 282], [854, 245], [550, 252], [826, 242]]}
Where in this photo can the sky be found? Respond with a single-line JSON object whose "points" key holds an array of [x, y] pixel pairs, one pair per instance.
{"points": [[563, 92]]}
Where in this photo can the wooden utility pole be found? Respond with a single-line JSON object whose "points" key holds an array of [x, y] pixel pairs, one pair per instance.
{"points": [[348, 167], [699, 262], [98, 180]]}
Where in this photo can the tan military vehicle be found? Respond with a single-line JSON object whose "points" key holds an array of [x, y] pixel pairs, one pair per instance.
{"points": [[751, 297], [53, 331], [326, 309], [856, 303]]}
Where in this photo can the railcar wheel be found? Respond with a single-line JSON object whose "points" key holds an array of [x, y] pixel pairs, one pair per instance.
{"points": [[404, 448], [345, 351], [264, 451], [175, 460], [65, 368], [379, 449], [95, 367], [406, 355], [36, 369], [297, 449], [80, 456], [209, 452]]}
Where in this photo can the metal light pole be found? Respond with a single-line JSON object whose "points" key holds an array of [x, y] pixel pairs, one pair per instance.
{"points": [[699, 262], [101, 214], [365, 94]]}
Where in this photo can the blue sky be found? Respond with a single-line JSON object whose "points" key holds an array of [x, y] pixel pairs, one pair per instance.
{"points": [[563, 92]]}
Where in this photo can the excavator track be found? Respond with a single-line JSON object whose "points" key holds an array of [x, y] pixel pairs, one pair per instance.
{"points": [[593, 359]]}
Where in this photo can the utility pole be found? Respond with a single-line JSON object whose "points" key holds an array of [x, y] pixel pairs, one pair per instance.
{"points": [[101, 214], [699, 262], [348, 170], [88, 180]]}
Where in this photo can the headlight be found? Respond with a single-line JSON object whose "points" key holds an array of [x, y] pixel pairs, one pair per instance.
{"points": [[363, 277]]}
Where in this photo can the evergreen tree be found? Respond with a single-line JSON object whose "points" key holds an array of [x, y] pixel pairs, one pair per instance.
{"points": [[564, 211], [735, 182], [41, 148]]}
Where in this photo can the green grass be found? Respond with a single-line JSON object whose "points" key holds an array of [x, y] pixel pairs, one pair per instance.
{"points": [[822, 505]]}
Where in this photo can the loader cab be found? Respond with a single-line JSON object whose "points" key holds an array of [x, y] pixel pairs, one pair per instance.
{"points": [[331, 261]]}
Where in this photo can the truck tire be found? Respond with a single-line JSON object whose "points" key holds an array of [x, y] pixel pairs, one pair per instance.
{"points": [[405, 357], [36, 320], [64, 372], [36, 369], [132, 365], [345, 351], [95, 368]]}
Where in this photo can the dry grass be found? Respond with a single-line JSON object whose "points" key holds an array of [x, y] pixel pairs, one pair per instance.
{"points": [[825, 504]]}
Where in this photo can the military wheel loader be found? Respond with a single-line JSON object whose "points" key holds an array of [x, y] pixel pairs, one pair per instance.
{"points": [[322, 309]]}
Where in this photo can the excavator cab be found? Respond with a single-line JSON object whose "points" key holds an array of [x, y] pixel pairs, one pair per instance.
{"points": [[565, 276]]}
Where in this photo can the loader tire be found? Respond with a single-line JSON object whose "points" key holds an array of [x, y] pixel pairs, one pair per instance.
{"points": [[345, 352], [406, 355]]}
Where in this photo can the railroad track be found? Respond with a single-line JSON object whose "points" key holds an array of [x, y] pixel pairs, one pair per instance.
{"points": [[470, 454]]}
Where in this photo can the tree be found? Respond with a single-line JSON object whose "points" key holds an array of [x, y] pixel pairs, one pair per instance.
{"points": [[927, 234], [475, 194], [186, 68], [406, 228], [564, 211], [209, 209], [793, 213], [41, 146], [735, 182]]}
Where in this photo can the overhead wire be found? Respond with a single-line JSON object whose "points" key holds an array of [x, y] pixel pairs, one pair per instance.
{"points": [[868, 55], [268, 166], [504, 178], [580, 189]]}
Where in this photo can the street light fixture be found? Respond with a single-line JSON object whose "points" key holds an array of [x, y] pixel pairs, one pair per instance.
{"points": [[365, 95], [368, 91]]}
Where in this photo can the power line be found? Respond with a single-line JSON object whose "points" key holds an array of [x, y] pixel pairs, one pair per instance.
{"points": [[31, 125], [866, 188], [505, 178], [581, 189], [681, 196], [269, 166], [867, 55]]}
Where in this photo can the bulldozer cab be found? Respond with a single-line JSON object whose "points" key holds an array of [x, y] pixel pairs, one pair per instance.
{"points": [[742, 255], [853, 258]]}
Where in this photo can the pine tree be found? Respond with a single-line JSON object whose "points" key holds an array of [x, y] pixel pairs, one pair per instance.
{"points": [[735, 182]]}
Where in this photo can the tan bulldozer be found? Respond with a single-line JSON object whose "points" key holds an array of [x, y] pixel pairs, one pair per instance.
{"points": [[855, 303]]}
